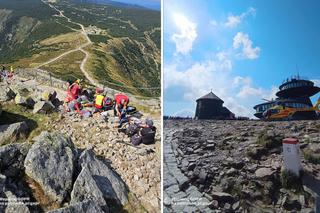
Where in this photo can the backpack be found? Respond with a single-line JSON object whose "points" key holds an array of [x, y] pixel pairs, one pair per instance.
{"points": [[130, 110], [136, 139], [108, 103], [132, 129], [148, 135]]}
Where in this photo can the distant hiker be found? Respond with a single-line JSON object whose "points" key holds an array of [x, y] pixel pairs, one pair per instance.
{"points": [[4, 73], [145, 135], [121, 103]]}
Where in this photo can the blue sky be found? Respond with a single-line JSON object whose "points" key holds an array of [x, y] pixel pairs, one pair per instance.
{"points": [[242, 50], [152, 4]]}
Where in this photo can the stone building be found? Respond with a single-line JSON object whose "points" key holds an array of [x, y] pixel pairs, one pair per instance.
{"points": [[211, 106]]}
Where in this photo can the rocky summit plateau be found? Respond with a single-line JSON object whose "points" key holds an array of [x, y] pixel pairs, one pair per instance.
{"points": [[237, 166]]}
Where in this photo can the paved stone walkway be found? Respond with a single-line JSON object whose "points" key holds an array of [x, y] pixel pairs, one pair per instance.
{"points": [[179, 195]]}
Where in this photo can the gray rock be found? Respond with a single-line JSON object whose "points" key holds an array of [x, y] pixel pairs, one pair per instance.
{"points": [[87, 206], [43, 107], [264, 173], [12, 158], [13, 132], [97, 181], [24, 101], [222, 197], [51, 163], [291, 204], [6, 94]]}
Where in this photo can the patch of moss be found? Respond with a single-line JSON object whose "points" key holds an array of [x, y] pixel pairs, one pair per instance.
{"points": [[290, 180], [133, 205], [311, 157], [269, 141]]}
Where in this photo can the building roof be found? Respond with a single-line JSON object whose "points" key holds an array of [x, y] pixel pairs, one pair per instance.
{"points": [[210, 95]]}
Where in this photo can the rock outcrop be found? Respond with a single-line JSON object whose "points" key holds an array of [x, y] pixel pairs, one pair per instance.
{"points": [[13, 132], [51, 163], [6, 93], [98, 182], [84, 206]]}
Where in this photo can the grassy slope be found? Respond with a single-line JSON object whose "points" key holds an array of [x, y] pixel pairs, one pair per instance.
{"points": [[134, 62], [67, 67]]}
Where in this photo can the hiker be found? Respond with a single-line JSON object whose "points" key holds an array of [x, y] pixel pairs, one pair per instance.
{"points": [[4, 73], [146, 133], [99, 100], [121, 103], [75, 88], [10, 74], [74, 105]]}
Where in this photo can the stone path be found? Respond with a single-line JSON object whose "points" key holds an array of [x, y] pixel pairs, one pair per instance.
{"points": [[178, 194]]}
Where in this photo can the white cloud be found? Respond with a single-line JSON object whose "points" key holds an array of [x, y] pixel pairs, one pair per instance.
{"points": [[234, 21], [186, 36], [241, 39], [248, 91], [184, 113], [214, 74], [316, 82]]}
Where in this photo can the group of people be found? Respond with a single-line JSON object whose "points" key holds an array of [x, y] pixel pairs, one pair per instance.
{"points": [[87, 103], [6, 74]]}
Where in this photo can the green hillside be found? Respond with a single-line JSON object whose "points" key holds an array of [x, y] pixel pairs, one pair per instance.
{"points": [[122, 44]]}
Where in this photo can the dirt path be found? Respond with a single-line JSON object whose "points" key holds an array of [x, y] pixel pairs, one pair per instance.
{"points": [[80, 48]]}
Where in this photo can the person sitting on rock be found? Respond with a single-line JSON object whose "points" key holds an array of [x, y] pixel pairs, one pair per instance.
{"points": [[121, 103], [99, 100], [145, 135]]}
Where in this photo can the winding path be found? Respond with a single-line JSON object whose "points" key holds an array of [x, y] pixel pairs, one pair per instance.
{"points": [[80, 48]]}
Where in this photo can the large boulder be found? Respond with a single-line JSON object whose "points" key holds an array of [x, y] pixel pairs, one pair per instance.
{"points": [[98, 181], [12, 158], [6, 94], [84, 206], [43, 107], [51, 163], [13, 132]]}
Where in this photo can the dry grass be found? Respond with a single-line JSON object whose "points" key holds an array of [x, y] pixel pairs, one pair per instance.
{"points": [[45, 202], [73, 39]]}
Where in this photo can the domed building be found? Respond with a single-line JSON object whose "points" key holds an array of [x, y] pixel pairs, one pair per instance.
{"points": [[294, 94], [211, 106]]}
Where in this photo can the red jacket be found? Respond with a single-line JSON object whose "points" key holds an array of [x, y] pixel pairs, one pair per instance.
{"points": [[119, 97], [75, 90]]}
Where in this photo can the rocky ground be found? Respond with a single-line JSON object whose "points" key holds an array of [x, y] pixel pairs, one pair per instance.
{"points": [[111, 175], [237, 166]]}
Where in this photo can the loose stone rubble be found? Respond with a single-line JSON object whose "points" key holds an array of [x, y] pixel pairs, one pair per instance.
{"points": [[236, 166]]}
